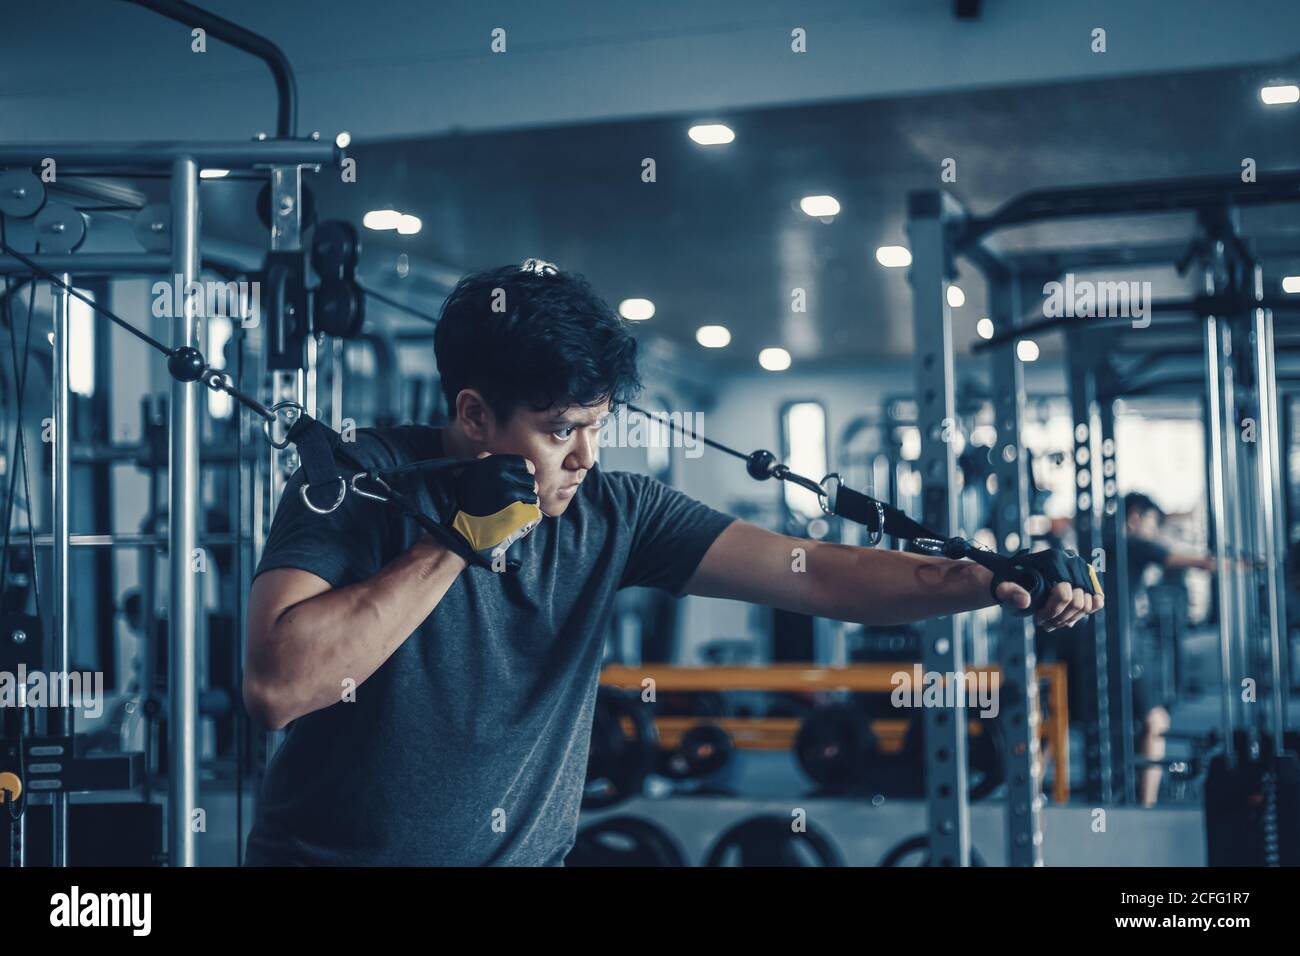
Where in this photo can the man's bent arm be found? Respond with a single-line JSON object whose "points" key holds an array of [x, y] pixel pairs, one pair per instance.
{"points": [[306, 638], [863, 585]]}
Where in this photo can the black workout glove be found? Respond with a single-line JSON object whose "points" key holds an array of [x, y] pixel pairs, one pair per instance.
{"points": [[495, 504], [1040, 571]]}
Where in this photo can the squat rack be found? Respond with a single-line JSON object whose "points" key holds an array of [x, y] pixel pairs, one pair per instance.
{"points": [[940, 229], [284, 158]]}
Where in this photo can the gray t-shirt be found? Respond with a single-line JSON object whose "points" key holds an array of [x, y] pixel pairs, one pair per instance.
{"points": [[468, 746]]}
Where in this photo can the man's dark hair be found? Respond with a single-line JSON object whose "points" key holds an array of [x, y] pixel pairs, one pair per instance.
{"points": [[1137, 502], [536, 338]]}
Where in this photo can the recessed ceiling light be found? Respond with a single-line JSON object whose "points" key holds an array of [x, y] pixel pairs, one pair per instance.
{"points": [[956, 297], [713, 336], [984, 328], [213, 173], [409, 225], [382, 219], [343, 140], [636, 310], [1027, 350], [711, 134], [774, 360], [1278, 95], [1291, 284], [894, 257], [820, 207]]}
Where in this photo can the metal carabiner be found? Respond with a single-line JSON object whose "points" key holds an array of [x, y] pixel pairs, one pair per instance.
{"points": [[306, 499], [290, 418], [369, 494]]}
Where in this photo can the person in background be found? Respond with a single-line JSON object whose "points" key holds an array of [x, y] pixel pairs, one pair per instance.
{"points": [[1142, 517]]}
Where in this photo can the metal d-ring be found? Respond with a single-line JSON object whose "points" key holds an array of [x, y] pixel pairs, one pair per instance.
{"points": [[826, 497], [369, 494], [306, 498], [275, 410], [830, 486]]}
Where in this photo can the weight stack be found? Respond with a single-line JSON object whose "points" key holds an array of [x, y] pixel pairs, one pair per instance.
{"points": [[1252, 812]]}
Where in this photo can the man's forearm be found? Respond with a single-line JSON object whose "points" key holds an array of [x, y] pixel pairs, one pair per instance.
{"points": [[863, 585], [346, 633], [878, 587]]}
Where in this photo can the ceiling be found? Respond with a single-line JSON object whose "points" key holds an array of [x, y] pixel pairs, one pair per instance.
{"points": [[718, 237]]}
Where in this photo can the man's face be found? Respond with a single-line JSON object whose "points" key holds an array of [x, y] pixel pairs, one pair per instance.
{"points": [[562, 445], [1143, 524]]}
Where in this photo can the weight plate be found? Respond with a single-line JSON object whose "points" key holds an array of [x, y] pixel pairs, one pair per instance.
{"points": [[153, 227], [335, 249], [60, 228], [836, 748], [617, 764], [703, 750], [624, 841], [338, 308], [771, 840], [22, 194], [915, 851]]}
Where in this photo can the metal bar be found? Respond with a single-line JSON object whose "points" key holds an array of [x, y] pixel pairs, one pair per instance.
{"points": [[929, 216], [119, 539], [61, 472], [1152, 196], [1020, 714], [1094, 674], [1116, 620], [1272, 535], [242, 154], [337, 359], [183, 473], [286, 234], [1237, 538], [1219, 524], [1281, 533], [92, 263], [286, 121], [1094, 257]]}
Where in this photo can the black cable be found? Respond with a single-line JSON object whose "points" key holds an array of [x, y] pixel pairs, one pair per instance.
{"points": [[19, 447], [192, 363], [692, 434], [51, 277]]}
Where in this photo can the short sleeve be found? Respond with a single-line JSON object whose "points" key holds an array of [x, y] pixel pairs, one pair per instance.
{"points": [[1143, 552], [671, 533], [347, 545]]}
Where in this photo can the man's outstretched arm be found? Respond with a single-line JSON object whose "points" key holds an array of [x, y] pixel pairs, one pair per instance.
{"points": [[864, 585]]}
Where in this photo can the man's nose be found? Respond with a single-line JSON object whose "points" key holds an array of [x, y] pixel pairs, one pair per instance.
{"points": [[583, 455]]}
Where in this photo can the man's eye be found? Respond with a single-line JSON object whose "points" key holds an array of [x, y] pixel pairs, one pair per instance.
{"points": [[565, 433]]}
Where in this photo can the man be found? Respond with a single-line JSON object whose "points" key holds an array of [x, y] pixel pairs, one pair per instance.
{"points": [[440, 713], [1142, 517]]}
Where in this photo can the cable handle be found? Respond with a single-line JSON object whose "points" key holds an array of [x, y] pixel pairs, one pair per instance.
{"points": [[1004, 570]]}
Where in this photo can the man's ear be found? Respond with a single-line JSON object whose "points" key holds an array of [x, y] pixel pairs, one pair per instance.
{"points": [[474, 415]]}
